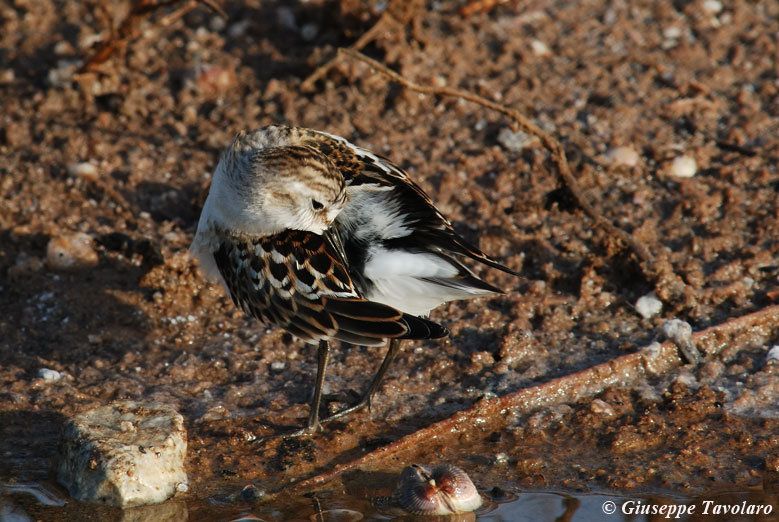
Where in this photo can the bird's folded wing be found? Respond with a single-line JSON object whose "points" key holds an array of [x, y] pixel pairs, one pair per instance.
{"points": [[427, 228], [300, 281]]}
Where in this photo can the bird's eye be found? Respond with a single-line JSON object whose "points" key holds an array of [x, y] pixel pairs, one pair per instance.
{"points": [[316, 205]]}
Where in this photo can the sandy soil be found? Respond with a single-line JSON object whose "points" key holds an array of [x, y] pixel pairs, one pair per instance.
{"points": [[124, 155]]}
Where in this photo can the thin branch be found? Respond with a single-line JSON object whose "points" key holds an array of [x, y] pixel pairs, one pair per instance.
{"points": [[623, 371], [366, 38], [129, 27], [554, 146]]}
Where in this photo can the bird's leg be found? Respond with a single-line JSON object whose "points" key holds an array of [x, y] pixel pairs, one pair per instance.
{"points": [[392, 352], [322, 357], [314, 424]]}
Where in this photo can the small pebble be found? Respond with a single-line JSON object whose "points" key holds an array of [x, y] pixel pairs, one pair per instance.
{"points": [[251, 493], [278, 366], [215, 413], [516, 141], [63, 73], [7, 76], [238, 28], [63, 47], [680, 332], [683, 167], [625, 155], [285, 17], [540, 48], [672, 33], [712, 6], [602, 407], [71, 252], [212, 81], [650, 353], [84, 170], [308, 32], [773, 355], [49, 375], [217, 24], [687, 379], [649, 305], [677, 330]]}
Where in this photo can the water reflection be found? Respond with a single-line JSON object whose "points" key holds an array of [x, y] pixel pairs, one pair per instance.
{"points": [[559, 507], [32, 502]]}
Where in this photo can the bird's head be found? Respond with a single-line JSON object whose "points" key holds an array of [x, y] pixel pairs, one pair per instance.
{"points": [[263, 191]]}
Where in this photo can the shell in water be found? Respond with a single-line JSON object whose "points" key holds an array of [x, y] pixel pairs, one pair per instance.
{"points": [[437, 490]]}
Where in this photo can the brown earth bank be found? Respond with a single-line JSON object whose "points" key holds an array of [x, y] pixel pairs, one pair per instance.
{"points": [[669, 116]]}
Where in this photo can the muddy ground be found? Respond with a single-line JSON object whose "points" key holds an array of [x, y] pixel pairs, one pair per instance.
{"points": [[124, 153]]}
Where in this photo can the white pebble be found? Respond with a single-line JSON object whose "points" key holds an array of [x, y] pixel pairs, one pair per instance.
{"points": [[83, 169], [540, 48], [773, 354], [683, 167], [49, 375], [625, 155], [71, 252], [649, 305], [677, 330], [516, 141], [217, 24], [63, 47], [102, 461], [602, 407], [672, 33], [687, 379], [712, 6]]}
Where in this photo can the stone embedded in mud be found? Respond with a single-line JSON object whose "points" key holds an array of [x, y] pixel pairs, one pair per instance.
{"points": [[49, 375], [625, 156], [649, 305], [125, 454], [683, 167], [516, 141], [84, 169], [71, 252]]}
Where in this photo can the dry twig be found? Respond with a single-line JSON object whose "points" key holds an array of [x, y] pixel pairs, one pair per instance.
{"points": [[129, 26], [480, 6], [554, 146], [366, 38], [626, 370]]}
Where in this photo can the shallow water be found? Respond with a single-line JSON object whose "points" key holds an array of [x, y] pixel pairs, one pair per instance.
{"points": [[23, 504]]}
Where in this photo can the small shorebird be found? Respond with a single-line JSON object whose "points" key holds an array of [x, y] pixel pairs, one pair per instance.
{"points": [[330, 241]]}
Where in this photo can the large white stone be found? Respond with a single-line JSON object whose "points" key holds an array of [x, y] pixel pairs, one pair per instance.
{"points": [[125, 454]]}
